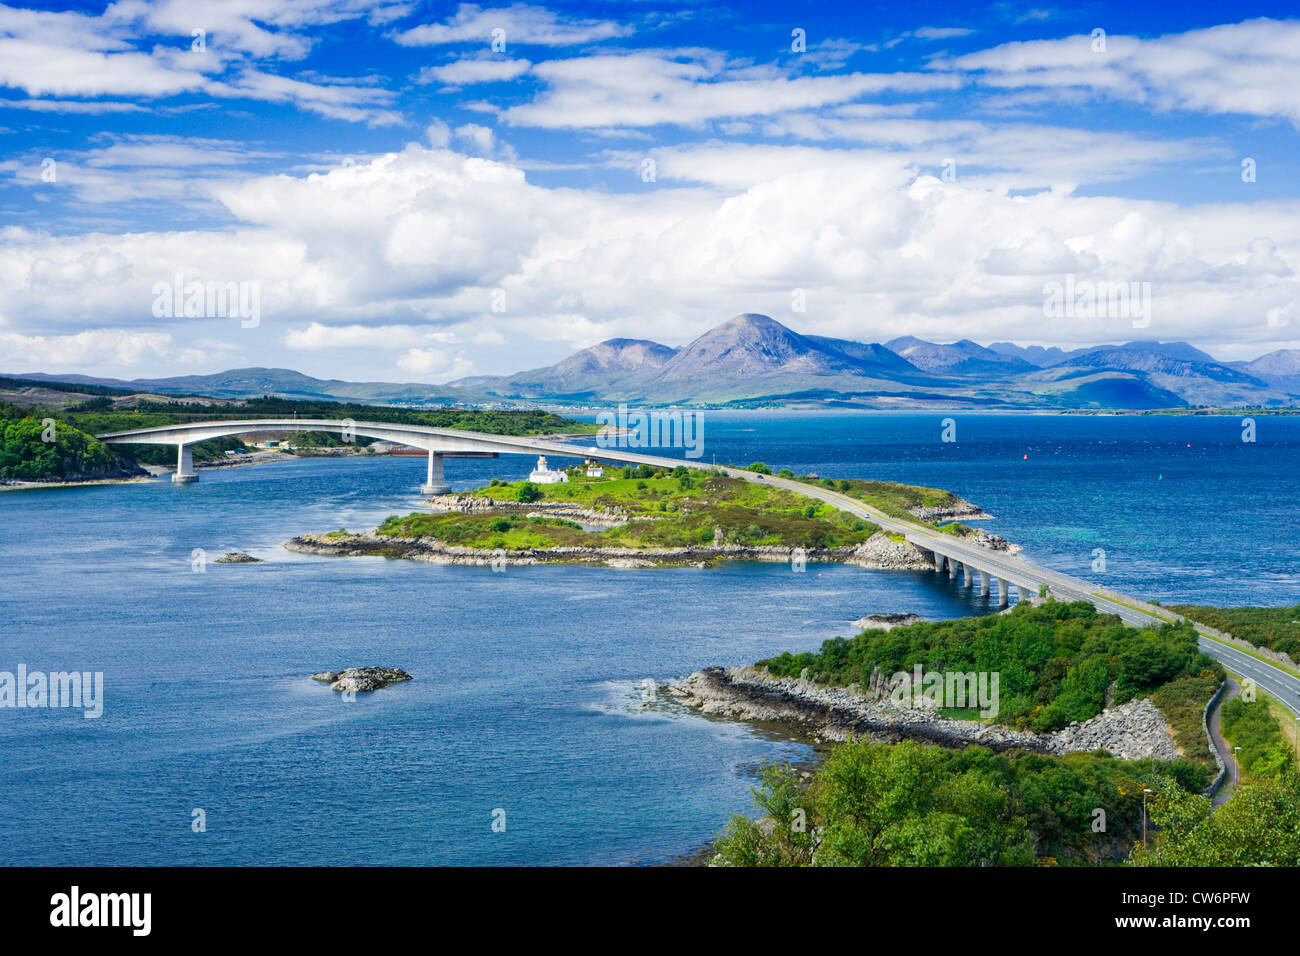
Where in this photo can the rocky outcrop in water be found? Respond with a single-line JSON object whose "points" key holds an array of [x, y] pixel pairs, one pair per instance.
{"points": [[886, 622], [994, 542], [360, 679], [237, 557], [1132, 731], [958, 509]]}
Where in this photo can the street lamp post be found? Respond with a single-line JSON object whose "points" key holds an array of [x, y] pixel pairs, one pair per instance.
{"points": [[1145, 791]]}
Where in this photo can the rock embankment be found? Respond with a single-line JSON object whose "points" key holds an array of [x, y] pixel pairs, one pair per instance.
{"points": [[1133, 731], [877, 552], [884, 552], [361, 679]]}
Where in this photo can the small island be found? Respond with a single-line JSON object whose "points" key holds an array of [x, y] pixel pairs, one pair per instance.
{"points": [[362, 679], [647, 517]]}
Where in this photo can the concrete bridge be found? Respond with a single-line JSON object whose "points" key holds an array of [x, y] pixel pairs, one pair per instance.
{"points": [[996, 572], [440, 443]]}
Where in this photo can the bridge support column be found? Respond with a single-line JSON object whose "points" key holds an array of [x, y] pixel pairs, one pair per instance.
{"points": [[970, 576], [185, 472], [436, 483], [984, 583], [1004, 596], [952, 569], [938, 563]]}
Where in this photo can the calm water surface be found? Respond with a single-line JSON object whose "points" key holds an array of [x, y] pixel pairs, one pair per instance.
{"points": [[526, 695]]}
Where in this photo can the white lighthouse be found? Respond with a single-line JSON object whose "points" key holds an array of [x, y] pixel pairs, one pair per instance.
{"points": [[544, 476]]}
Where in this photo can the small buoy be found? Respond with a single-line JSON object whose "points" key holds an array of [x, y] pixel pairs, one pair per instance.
{"points": [[1026, 458], [1160, 477], [1189, 444]]}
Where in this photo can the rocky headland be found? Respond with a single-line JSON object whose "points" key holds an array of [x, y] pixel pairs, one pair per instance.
{"points": [[1131, 731], [879, 552]]}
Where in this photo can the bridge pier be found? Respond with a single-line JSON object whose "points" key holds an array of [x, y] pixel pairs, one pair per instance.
{"points": [[185, 472], [436, 483], [984, 583], [1004, 592], [952, 569], [938, 562]]}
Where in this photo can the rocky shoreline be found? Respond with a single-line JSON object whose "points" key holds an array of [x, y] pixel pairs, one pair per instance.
{"points": [[878, 552], [960, 510], [13, 484], [1132, 731]]}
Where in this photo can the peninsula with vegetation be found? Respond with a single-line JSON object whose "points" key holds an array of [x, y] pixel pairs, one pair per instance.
{"points": [[649, 517], [1093, 712]]}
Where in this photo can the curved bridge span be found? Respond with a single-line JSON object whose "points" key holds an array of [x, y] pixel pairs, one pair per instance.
{"points": [[963, 562], [438, 442]]}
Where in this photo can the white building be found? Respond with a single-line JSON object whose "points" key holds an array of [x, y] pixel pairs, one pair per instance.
{"points": [[544, 476], [594, 470]]}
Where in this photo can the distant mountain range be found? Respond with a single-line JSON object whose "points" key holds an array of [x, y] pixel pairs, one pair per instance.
{"points": [[755, 360]]}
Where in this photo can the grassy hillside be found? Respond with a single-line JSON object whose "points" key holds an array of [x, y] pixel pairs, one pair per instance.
{"points": [[27, 455], [910, 804], [664, 510], [1277, 628]]}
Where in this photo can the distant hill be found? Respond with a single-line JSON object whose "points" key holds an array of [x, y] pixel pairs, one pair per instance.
{"points": [[1280, 369], [1184, 371], [752, 344], [279, 382], [582, 376], [1034, 354], [960, 358], [752, 359]]}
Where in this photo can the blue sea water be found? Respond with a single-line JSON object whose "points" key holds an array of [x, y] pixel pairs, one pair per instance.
{"points": [[526, 697]]}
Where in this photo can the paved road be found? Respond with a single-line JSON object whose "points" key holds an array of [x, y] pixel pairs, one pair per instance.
{"points": [[1225, 752], [1273, 681]]}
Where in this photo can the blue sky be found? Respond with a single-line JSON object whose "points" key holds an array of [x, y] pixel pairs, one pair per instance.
{"points": [[421, 191]]}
